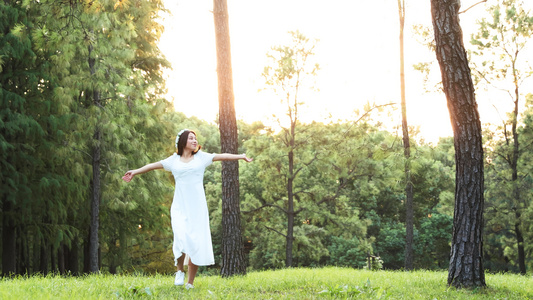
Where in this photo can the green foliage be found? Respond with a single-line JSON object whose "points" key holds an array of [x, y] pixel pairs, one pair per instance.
{"points": [[41, 188], [347, 176], [71, 70], [347, 252], [345, 190], [502, 204], [390, 245], [433, 241], [135, 292], [350, 197], [363, 291], [504, 36]]}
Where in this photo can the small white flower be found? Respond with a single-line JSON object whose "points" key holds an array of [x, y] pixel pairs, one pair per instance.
{"points": [[178, 136]]}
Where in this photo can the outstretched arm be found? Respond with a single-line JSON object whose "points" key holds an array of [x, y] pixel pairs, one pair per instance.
{"points": [[228, 156], [147, 168]]}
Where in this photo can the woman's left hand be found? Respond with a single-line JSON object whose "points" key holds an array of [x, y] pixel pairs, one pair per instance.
{"points": [[247, 159]]}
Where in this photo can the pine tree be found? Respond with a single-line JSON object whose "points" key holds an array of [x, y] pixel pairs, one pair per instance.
{"points": [[233, 261], [108, 73], [506, 35], [20, 131], [407, 149], [466, 262]]}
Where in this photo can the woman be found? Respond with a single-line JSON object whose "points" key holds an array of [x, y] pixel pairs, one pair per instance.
{"points": [[188, 213]]}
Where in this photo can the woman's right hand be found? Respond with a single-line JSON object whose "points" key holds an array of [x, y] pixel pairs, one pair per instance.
{"points": [[128, 176], [149, 167]]}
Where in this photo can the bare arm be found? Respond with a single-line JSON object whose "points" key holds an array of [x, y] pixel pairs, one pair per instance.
{"points": [[228, 156], [147, 168]]}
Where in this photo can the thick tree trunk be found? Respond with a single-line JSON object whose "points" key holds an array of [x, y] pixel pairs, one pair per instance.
{"points": [[409, 215], [233, 261], [466, 258], [9, 238]]}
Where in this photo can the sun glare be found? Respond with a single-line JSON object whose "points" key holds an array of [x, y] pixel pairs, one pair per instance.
{"points": [[358, 57]]}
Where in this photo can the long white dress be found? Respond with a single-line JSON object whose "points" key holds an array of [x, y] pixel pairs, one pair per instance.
{"points": [[188, 214]]}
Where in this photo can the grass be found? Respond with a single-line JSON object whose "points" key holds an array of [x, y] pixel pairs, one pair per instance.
{"points": [[324, 283]]}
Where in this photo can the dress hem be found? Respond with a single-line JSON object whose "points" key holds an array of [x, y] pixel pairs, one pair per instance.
{"points": [[188, 258]]}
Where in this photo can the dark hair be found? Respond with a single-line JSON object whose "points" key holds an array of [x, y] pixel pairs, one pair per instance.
{"points": [[182, 142]]}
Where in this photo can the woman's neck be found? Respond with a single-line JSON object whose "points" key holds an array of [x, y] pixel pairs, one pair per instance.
{"points": [[186, 153]]}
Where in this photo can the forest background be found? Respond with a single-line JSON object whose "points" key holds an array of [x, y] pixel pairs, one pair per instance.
{"points": [[83, 100]]}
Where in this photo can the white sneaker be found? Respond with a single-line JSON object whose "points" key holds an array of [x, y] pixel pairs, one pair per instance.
{"points": [[180, 277], [189, 286]]}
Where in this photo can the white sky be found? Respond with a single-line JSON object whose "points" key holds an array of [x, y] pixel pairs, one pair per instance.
{"points": [[358, 52]]}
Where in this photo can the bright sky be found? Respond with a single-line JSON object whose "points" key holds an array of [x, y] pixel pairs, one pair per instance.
{"points": [[358, 52]]}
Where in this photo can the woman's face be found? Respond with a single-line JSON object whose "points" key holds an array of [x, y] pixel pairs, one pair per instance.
{"points": [[192, 143]]}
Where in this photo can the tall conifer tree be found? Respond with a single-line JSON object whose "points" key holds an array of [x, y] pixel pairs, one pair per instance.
{"points": [[407, 149], [466, 262], [233, 261]]}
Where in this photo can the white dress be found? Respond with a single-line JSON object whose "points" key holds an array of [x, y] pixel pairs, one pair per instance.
{"points": [[188, 214]]}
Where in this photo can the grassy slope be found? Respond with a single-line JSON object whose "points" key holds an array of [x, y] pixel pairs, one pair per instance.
{"points": [[281, 284]]}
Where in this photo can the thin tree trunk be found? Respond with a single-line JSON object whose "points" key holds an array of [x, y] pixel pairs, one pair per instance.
{"points": [[94, 243], [290, 210], [9, 238], [53, 259], [61, 259], [516, 205], [520, 244], [86, 256], [36, 253], [24, 253], [233, 261], [409, 215], [19, 257], [73, 258], [466, 258], [45, 255], [514, 177], [95, 206]]}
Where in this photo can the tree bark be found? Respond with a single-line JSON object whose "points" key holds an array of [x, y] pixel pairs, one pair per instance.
{"points": [[73, 257], [94, 243], [466, 257], [86, 259], [61, 259], [43, 268], [9, 238], [514, 177], [290, 208], [516, 197], [36, 260], [233, 261], [24, 250], [520, 244], [409, 215], [53, 262]]}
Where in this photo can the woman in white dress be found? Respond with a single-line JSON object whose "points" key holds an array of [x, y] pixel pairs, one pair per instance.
{"points": [[188, 213]]}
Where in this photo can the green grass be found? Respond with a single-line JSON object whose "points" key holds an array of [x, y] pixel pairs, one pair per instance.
{"points": [[324, 283]]}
